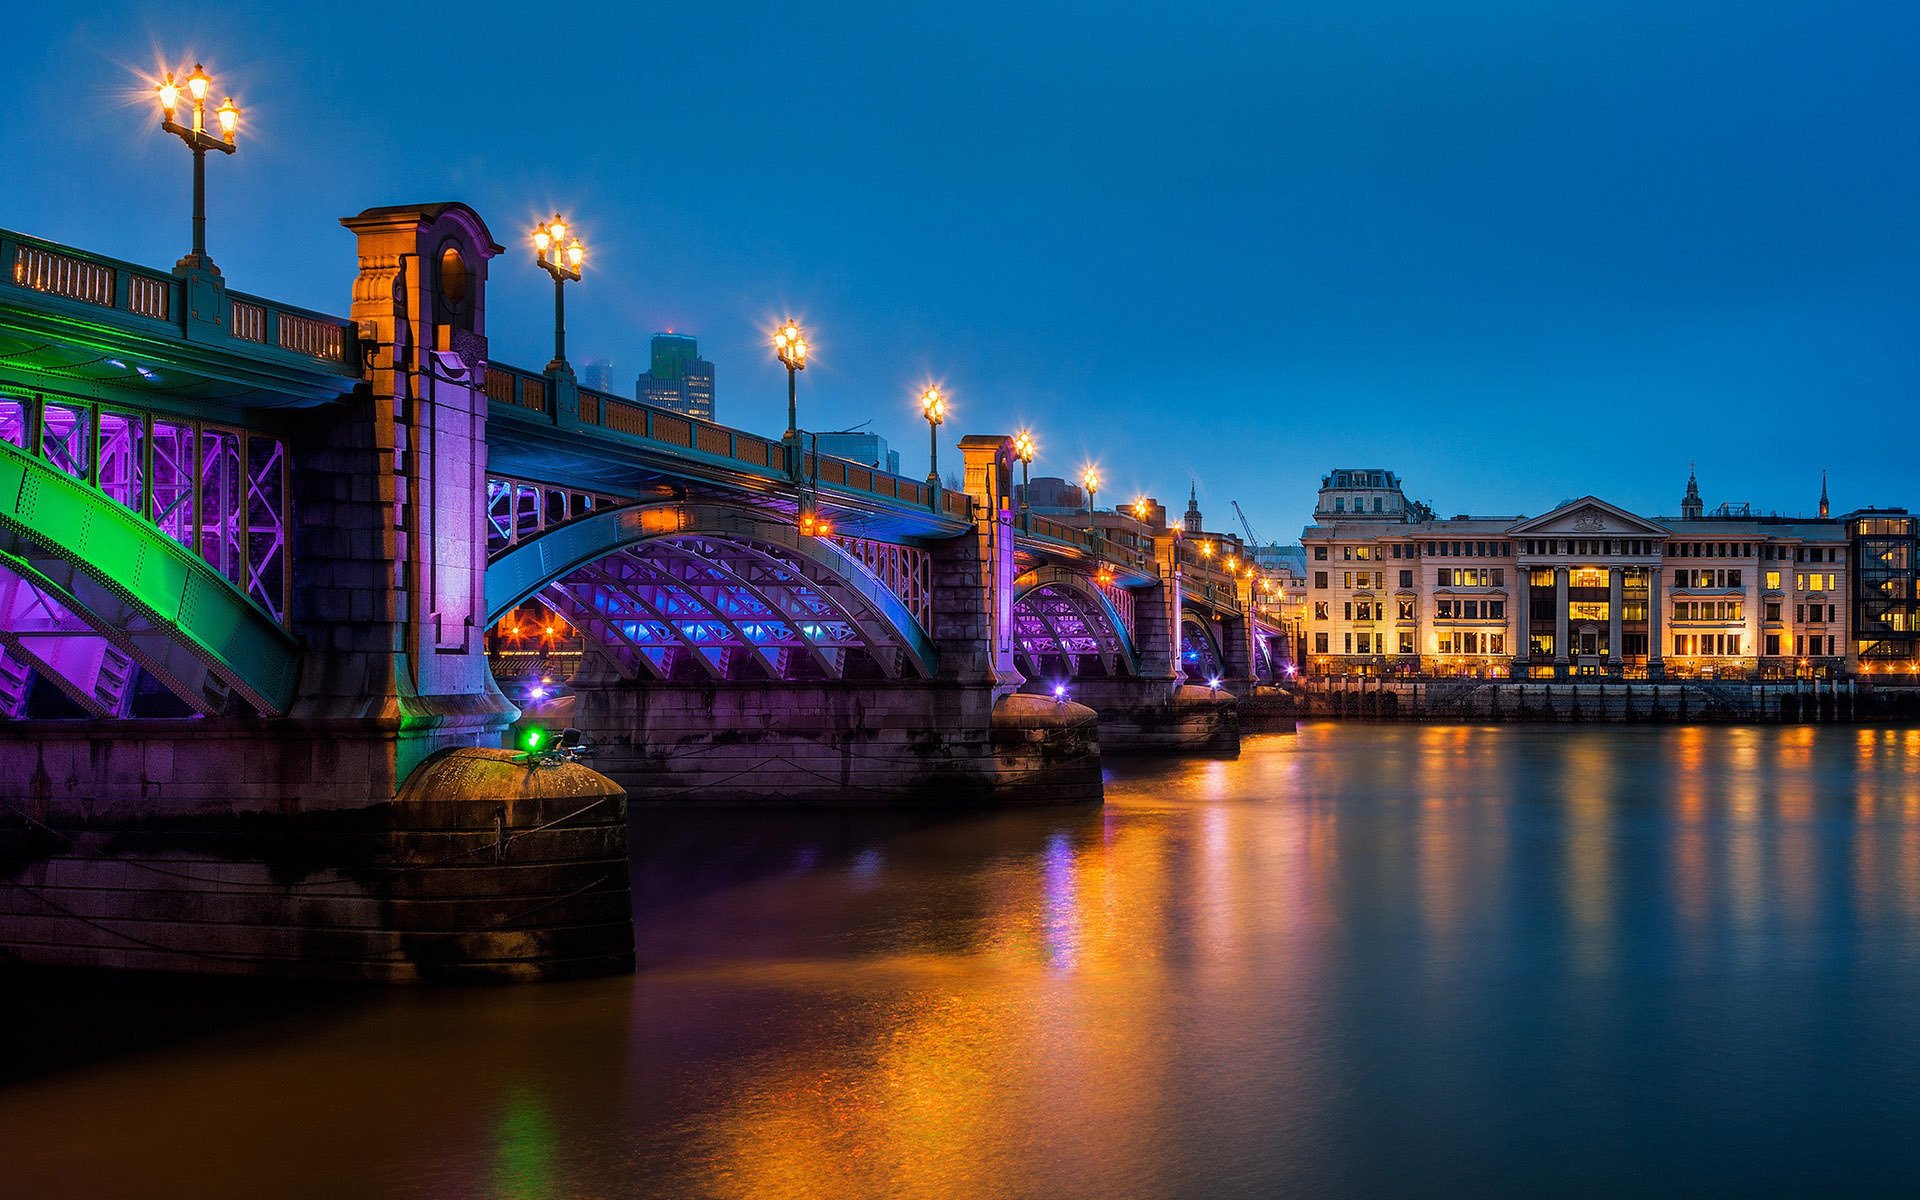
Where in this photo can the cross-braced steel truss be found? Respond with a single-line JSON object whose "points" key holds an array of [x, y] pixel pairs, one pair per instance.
{"points": [[717, 607], [518, 509], [1062, 631], [1199, 655]]}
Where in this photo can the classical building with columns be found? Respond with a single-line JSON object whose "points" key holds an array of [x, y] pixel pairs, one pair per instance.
{"points": [[1586, 590]]}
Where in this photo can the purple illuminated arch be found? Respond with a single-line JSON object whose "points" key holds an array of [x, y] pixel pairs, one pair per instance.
{"points": [[1199, 652], [704, 593], [1065, 627]]}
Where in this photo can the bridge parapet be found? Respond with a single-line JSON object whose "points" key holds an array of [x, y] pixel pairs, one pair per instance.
{"points": [[518, 397], [100, 302]]}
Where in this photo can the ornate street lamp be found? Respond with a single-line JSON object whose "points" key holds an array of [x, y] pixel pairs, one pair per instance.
{"points": [[556, 249], [199, 141], [1141, 509], [934, 407], [1024, 449], [1090, 479], [791, 347]]}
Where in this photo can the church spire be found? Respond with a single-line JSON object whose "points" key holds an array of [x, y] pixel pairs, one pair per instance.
{"points": [[1691, 506], [1191, 522], [1823, 493]]}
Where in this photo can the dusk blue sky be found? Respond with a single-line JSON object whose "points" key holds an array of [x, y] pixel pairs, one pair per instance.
{"points": [[1517, 252]]}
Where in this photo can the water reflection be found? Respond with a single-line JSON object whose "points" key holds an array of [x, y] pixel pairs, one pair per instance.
{"points": [[1366, 959]]}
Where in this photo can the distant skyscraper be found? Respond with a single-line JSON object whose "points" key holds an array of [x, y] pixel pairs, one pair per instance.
{"points": [[597, 373], [678, 378], [866, 449]]}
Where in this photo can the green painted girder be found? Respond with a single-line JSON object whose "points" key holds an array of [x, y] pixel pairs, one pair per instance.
{"points": [[173, 613], [516, 573]]}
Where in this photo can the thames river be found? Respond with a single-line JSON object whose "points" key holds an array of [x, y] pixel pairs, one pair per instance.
{"points": [[1366, 960]]}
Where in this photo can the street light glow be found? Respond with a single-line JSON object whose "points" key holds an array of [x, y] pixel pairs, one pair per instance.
{"points": [[562, 256], [199, 141], [555, 250], [790, 347]]}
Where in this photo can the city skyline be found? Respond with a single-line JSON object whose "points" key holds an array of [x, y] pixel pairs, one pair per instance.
{"points": [[1696, 215]]}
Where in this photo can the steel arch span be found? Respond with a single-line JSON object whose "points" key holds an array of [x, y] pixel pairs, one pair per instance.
{"points": [[1200, 655], [711, 592], [1063, 624], [89, 590]]}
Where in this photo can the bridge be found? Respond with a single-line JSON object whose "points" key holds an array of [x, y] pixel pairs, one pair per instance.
{"points": [[250, 555]]}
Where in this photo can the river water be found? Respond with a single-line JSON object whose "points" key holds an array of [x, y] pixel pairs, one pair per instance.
{"points": [[1362, 960]]}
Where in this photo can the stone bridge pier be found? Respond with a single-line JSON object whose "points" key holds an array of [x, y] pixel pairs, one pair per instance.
{"points": [[926, 715], [1158, 708], [341, 818]]}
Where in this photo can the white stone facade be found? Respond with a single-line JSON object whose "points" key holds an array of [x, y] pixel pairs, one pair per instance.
{"points": [[1585, 590]]}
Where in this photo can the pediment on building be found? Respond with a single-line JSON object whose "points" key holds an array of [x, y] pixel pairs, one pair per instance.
{"points": [[1588, 516]]}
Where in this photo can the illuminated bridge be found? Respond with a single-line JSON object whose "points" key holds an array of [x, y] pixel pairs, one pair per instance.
{"points": [[250, 556]]}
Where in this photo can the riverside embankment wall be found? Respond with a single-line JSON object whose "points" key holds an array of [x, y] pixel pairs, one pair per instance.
{"points": [[1792, 702]]}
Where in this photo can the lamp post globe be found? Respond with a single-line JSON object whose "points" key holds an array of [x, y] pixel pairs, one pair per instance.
{"points": [[933, 406], [199, 139], [563, 256], [790, 347], [1025, 449]]}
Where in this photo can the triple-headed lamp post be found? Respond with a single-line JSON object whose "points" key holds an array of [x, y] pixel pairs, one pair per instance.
{"points": [[791, 347], [199, 141], [1024, 449], [562, 254], [933, 406], [1090, 479]]}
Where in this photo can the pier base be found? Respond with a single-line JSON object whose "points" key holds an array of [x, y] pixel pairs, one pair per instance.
{"points": [[198, 849], [837, 742], [1159, 715]]}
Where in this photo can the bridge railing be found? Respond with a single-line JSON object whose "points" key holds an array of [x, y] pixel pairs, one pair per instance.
{"points": [[153, 295], [1058, 531], [1120, 547], [622, 417]]}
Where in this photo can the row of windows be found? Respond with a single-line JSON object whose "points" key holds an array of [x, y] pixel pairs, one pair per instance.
{"points": [[1746, 550], [1470, 549], [1706, 645], [1685, 645], [1543, 578], [1809, 645], [1472, 577], [1592, 546], [1628, 546], [1686, 578], [1471, 610], [1464, 642], [1708, 610]]}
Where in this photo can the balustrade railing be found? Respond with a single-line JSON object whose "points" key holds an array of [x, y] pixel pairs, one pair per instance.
{"points": [[513, 387], [137, 291]]}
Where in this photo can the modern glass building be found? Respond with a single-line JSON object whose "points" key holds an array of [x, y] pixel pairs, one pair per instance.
{"points": [[1886, 601], [866, 449], [677, 378]]}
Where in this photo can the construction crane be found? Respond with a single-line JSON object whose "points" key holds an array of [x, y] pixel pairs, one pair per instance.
{"points": [[1253, 539]]}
